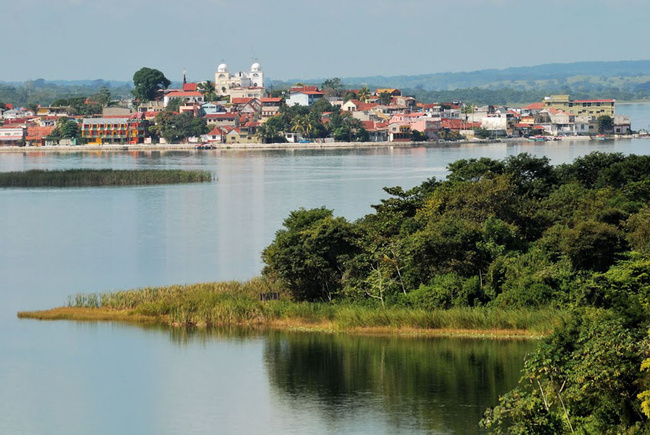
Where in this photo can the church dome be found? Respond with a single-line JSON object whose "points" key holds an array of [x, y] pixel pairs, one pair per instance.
{"points": [[222, 68], [256, 67]]}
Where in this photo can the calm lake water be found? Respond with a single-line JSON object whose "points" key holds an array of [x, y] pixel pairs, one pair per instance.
{"points": [[80, 378]]}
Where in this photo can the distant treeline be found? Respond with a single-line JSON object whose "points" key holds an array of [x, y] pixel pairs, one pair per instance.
{"points": [[34, 92], [100, 177]]}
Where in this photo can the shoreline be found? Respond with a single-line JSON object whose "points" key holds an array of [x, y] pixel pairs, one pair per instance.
{"points": [[281, 146], [77, 314]]}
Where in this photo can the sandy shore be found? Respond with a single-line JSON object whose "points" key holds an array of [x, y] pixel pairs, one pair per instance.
{"points": [[275, 146]]}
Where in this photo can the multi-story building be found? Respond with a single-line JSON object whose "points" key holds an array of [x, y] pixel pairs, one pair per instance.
{"points": [[224, 81], [132, 130], [12, 135], [590, 108]]}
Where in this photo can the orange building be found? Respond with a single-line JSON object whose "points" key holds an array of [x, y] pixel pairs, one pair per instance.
{"points": [[118, 130]]}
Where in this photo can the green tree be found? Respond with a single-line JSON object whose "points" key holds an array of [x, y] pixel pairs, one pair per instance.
{"points": [[66, 128], [364, 94], [605, 124], [208, 90], [584, 378], [103, 96], [174, 104], [178, 128], [148, 82], [310, 253], [333, 87], [385, 98]]}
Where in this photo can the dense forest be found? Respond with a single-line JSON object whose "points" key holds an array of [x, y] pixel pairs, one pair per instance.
{"points": [[507, 233]]}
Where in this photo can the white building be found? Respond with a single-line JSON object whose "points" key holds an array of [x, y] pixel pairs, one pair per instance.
{"points": [[224, 80]]}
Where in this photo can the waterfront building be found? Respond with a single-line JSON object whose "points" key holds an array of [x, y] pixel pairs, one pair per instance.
{"points": [[12, 135], [590, 108], [132, 130]]}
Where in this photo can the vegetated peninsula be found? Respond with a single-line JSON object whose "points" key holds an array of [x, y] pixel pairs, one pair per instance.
{"points": [[101, 177], [513, 244]]}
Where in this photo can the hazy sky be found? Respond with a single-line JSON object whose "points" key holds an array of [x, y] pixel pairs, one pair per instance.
{"points": [[111, 39]]}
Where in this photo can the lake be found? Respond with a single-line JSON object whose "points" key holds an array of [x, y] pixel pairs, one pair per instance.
{"points": [[104, 378]]}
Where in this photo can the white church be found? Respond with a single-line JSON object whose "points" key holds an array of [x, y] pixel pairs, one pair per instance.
{"points": [[242, 84]]}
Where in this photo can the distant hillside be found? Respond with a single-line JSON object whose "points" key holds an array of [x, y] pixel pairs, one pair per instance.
{"points": [[622, 80], [556, 72]]}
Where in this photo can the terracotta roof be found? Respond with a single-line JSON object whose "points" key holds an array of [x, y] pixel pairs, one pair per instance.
{"points": [[216, 132], [221, 115], [367, 106], [304, 89], [271, 100], [458, 124], [184, 94], [190, 87], [241, 100], [535, 106], [35, 133]]}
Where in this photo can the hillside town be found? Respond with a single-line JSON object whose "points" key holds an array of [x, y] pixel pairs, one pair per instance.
{"points": [[237, 108]]}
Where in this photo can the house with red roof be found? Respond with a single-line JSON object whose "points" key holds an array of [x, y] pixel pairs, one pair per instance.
{"points": [[222, 120], [36, 135], [216, 135], [270, 107], [187, 97], [13, 135], [304, 96]]}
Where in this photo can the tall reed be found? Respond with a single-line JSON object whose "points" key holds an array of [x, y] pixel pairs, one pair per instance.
{"points": [[237, 303], [101, 177]]}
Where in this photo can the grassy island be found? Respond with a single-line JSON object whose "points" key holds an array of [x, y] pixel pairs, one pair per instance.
{"points": [[238, 304], [101, 177], [515, 245]]}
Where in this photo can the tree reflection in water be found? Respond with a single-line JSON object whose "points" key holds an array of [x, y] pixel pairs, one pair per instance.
{"points": [[432, 384]]}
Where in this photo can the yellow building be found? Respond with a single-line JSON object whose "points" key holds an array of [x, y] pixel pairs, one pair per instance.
{"points": [[590, 108]]}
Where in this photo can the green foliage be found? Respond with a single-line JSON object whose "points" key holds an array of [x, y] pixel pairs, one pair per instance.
{"points": [[333, 87], [309, 254], [66, 128], [178, 127], [174, 104], [148, 82], [100, 177], [584, 378], [605, 124]]}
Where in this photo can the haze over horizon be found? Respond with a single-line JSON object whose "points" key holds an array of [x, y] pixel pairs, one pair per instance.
{"points": [[89, 39]]}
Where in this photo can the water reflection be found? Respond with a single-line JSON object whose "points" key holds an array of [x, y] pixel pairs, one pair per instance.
{"points": [[432, 384]]}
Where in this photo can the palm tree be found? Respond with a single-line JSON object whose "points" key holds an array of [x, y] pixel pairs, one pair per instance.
{"points": [[364, 94], [208, 90], [302, 124]]}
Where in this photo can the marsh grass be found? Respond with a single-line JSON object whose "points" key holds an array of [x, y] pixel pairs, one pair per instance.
{"points": [[237, 303], [101, 177]]}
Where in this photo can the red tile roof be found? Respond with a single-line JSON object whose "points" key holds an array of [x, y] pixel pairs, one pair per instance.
{"points": [[36, 133], [221, 115], [535, 106], [304, 89], [190, 87], [216, 132], [241, 100], [271, 100], [176, 94]]}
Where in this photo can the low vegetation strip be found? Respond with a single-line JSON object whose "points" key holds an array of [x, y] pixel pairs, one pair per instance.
{"points": [[237, 303], [101, 177]]}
